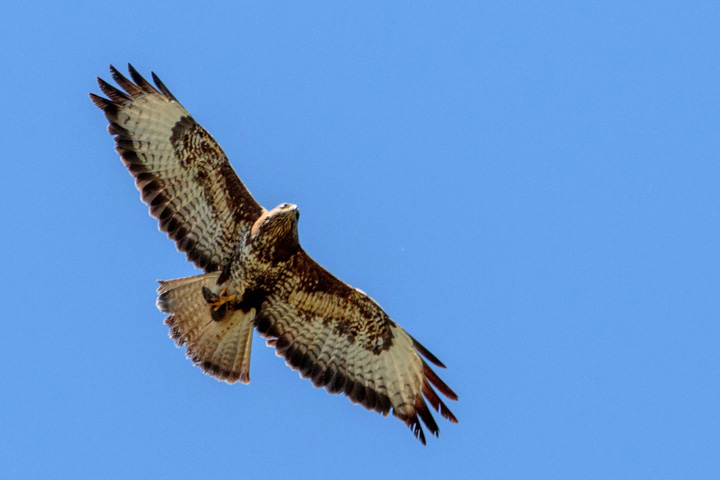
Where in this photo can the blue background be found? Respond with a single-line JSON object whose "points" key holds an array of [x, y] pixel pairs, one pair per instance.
{"points": [[530, 190]]}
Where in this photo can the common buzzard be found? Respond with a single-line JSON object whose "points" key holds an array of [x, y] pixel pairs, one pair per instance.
{"points": [[256, 273]]}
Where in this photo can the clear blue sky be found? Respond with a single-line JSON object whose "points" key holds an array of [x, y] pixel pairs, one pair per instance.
{"points": [[530, 190]]}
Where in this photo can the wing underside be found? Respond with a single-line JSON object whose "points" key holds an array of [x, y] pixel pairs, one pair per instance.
{"points": [[343, 341], [182, 173]]}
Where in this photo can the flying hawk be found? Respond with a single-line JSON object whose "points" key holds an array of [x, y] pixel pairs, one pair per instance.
{"points": [[256, 273]]}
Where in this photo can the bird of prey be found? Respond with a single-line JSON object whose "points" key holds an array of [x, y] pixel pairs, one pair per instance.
{"points": [[256, 274]]}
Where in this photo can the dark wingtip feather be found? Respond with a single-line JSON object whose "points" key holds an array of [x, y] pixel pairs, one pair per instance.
{"points": [[427, 417], [140, 80], [113, 93], [106, 106], [436, 403], [100, 102], [426, 353], [437, 383], [162, 87], [124, 83], [414, 424]]}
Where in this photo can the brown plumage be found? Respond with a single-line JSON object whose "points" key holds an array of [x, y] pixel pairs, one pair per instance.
{"points": [[256, 273]]}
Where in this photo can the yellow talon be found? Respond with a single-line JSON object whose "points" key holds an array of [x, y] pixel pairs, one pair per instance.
{"points": [[221, 300]]}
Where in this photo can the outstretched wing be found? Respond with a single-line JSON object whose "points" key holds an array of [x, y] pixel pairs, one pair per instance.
{"points": [[181, 172], [341, 339]]}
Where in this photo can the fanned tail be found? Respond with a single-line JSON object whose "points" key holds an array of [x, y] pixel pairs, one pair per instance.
{"points": [[218, 340]]}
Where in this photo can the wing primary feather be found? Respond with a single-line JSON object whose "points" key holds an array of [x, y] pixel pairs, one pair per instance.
{"points": [[140, 80], [162, 87], [126, 84], [427, 417], [439, 384], [415, 427], [104, 104], [436, 403], [115, 95], [426, 353]]}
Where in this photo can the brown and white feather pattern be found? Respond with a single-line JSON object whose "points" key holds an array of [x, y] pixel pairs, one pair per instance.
{"points": [[182, 173], [332, 333], [342, 340], [221, 348]]}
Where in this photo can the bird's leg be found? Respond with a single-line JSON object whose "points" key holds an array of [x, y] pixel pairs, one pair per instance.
{"points": [[217, 301], [222, 299]]}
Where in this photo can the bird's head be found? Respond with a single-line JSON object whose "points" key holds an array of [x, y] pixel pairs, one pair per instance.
{"points": [[277, 231]]}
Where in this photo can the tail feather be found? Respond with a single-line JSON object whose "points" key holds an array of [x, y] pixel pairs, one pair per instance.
{"points": [[221, 346]]}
